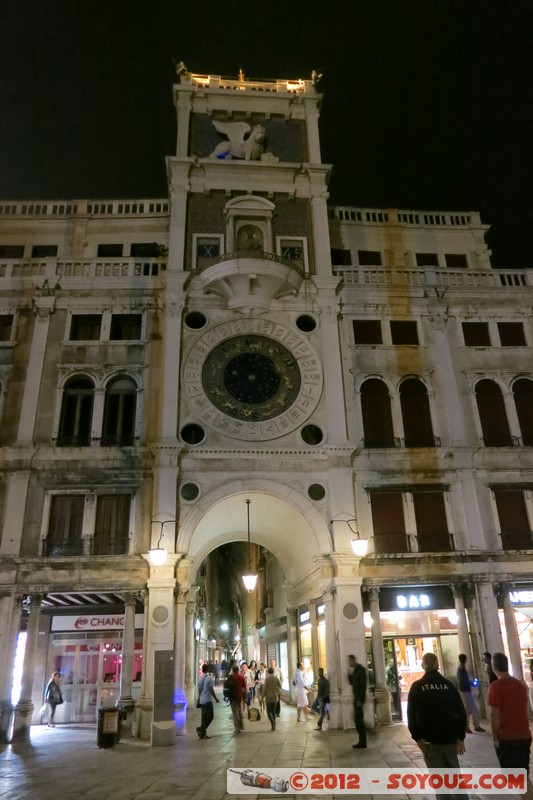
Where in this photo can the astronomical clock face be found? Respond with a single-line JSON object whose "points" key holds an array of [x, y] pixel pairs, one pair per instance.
{"points": [[252, 379]]}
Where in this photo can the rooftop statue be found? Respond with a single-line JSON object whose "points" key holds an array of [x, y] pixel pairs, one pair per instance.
{"points": [[245, 142]]}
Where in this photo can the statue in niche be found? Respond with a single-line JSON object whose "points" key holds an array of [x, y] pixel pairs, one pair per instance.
{"points": [[245, 142], [249, 239]]}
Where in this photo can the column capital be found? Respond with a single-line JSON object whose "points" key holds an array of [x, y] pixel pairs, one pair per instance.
{"points": [[328, 591], [373, 593], [34, 600], [130, 598], [502, 589]]}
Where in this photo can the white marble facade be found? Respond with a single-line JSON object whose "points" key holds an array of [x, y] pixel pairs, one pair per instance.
{"points": [[233, 340]]}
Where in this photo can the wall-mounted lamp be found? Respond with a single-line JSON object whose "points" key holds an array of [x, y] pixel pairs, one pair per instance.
{"points": [[359, 545], [158, 554], [249, 579]]}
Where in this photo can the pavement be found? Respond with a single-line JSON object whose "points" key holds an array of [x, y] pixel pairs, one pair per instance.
{"points": [[64, 762]]}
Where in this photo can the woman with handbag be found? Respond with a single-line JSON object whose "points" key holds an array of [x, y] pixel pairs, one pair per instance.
{"points": [[53, 697]]}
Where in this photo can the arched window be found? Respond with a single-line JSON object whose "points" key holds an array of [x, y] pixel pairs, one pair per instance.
{"points": [[492, 416], [416, 416], [523, 400], [119, 413], [76, 413], [377, 417]]}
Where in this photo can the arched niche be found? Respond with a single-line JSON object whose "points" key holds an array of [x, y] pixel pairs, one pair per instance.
{"points": [[249, 225]]}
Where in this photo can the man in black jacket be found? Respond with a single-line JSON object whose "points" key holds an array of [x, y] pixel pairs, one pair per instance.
{"points": [[436, 718], [357, 678]]}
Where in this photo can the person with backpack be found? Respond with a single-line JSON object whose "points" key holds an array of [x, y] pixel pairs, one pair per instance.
{"points": [[322, 696]]}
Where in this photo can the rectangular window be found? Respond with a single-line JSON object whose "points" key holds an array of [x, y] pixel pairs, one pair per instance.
{"points": [[476, 334], [112, 524], [367, 331], [404, 332], [341, 258], [207, 250], [293, 250], [456, 260], [431, 522], [126, 327], [388, 522], [11, 251], [85, 327], [65, 526], [109, 250], [145, 250], [511, 334], [44, 251], [427, 260], [514, 522], [369, 258], [6, 326]]}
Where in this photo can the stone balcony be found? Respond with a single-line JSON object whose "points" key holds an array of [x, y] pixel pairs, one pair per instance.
{"points": [[251, 281]]}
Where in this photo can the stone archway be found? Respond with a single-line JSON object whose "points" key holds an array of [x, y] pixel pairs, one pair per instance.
{"points": [[281, 521]]}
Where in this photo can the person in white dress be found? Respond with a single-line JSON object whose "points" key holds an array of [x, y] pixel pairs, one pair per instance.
{"points": [[302, 690]]}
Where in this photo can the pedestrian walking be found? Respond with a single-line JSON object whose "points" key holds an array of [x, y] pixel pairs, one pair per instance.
{"points": [[436, 718], [322, 695], [206, 694], [260, 677], [52, 698], [235, 691], [508, 701], [487, 660], [279, 676], [271, 694], [357, 678], [302, 690], [465, 687]]}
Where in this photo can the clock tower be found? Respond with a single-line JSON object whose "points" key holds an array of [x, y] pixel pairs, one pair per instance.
{"points": [[251, 374]]}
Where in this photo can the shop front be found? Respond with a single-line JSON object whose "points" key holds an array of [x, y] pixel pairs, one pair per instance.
{"points": [[312, 640], [414, 620], [521, 598], [88, 653]]}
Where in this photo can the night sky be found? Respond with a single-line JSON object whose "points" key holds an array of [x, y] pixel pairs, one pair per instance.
{"points": [[427, 103]]}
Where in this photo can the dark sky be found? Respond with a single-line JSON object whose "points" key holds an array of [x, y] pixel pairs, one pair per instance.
{"points": [[427, 103]]}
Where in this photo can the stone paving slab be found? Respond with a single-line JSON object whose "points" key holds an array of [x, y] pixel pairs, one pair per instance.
{"points": [[64, 762]]}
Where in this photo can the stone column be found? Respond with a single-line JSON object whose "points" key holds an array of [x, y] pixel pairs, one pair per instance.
{"points": [[462, 624], [314, 638], [488, 609], [24, 707], [128, 649], [382, 694], [513, 640], [180, 698], [10, 614], [190, 650], [349, 636], [292, 635], [97, 422], [142, 705], [332, 658]]}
